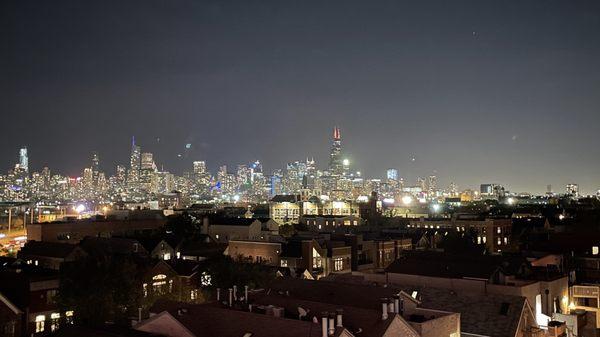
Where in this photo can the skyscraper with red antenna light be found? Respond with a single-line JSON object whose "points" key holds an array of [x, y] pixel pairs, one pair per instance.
{"points": [[336, 167]]}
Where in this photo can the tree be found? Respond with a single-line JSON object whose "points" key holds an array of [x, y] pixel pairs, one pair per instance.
{"points": [[100, 290], [183, 225]]}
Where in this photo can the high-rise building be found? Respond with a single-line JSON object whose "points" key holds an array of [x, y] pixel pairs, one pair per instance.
{"points": [[95, 162], [392, 174], [23, 159], [431, 185], [147, 161], [199, 167], [336, 164], [573, 190]]}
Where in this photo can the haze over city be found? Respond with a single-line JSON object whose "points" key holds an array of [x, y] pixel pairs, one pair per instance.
{"points": [[474, 91]]}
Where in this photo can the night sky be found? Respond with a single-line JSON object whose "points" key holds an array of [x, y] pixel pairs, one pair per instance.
{"points": [[477, 91]]}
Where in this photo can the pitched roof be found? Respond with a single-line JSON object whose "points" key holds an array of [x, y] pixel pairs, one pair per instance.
{"points": [[211, 320], [78, 331], [49, 249], [480, 314], [489, 315], [436, 264], [230, 221], [354, 318], [10, 305], [284, 198]]}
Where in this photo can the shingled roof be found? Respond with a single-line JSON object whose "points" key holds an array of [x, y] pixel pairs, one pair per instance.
{"points": [[211, 320]]}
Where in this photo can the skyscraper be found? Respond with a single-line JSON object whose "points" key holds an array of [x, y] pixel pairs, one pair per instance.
{"points": [[336, 167], [392, 174], [23, 159]]}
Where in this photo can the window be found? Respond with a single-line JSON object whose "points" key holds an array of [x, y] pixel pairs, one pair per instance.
{"points": [[194, 294], [499, 230], [284, 263], [595, 250], [205, 279], [9, 329], [166, 256], [54, 321], [338, 264], [145, 289], [50, 296], [69, 317], [479, 240], [39, 323], [499, 241], [355, 223], [158, 283], [505, 240]]}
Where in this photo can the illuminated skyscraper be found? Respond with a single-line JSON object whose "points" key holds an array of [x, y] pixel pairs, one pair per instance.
{"points": [[392, 174], [336, 164], [23, 159], [147, 161], [573, 190]]}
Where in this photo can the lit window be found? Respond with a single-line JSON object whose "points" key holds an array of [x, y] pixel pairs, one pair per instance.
{"points": [[145, 289], [54, 321], [284, 263], [479, 240], [205, 279], [595, 250], [167, 256], [499, 241], [338, 264], [355, 223], [499, 230], [39, 323], [505, 240], [194, 294], [158, 283], [69, 317]]}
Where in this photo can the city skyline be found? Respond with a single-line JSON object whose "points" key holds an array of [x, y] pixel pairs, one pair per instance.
{"points": [[477, 91], [338, 164]]}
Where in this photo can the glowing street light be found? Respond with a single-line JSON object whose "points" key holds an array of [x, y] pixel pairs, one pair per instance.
{"points": [[407, 199], [346, 162], [80, 208], [436, 207]]}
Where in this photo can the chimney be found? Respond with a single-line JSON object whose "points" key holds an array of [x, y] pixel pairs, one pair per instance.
{"points": [[205, 225], [384, 309], [246, 293], [230, 297], [397, 304], [218, 294], [331, 324], [339, 314], [324, 331]]}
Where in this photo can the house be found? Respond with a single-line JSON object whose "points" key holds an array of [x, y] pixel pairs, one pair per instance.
{"points": [[546, 289], [179, 280], [300, 253], [30, 290], [50, 254], [75, 231], [478, 314], [207, 320], [11, 318], [366, 310]]}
